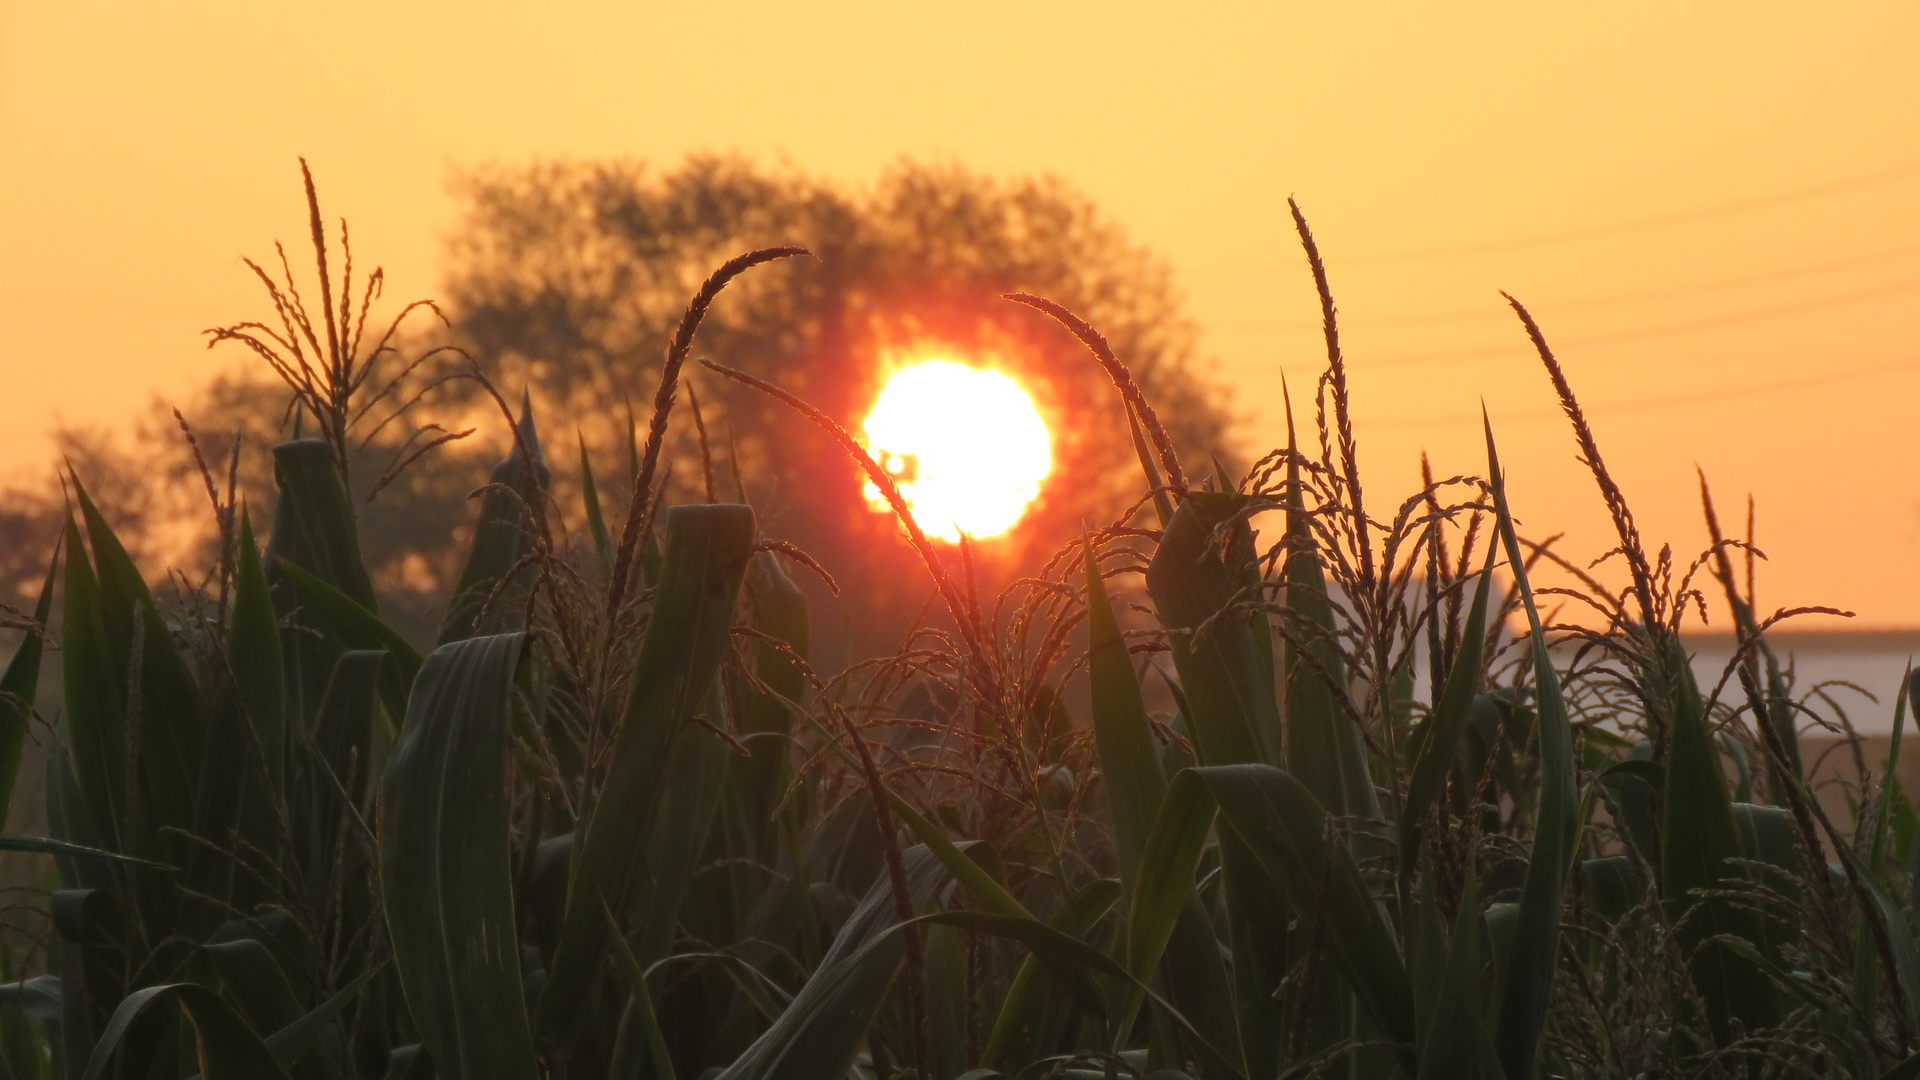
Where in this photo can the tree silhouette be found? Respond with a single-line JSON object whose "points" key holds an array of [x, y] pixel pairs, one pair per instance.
{"points": [[566, 279]]}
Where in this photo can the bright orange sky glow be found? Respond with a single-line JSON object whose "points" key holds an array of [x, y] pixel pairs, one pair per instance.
{"points": [[1713, 209]]}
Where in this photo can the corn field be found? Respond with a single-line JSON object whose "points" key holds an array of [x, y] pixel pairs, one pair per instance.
{"points": [[1356, 800]]}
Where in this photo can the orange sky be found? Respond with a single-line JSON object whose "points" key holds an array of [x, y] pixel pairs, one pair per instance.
{"points": [[1710, 207]]}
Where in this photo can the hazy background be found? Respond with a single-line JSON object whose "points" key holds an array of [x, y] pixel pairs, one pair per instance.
{"points": [[1713, 209]]}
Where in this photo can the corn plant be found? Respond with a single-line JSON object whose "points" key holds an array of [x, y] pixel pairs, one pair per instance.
{"points": [[617, 824]]}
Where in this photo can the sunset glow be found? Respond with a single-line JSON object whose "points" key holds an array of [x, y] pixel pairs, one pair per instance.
{"points": [[966, 445]]}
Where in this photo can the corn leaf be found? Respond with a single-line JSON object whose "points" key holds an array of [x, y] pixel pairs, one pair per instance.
{"points": [[94, 684], [18, 687], [518, 483], [687, 634], [775, 607], [360, 628], [1456, 1045], [1195, 977], [447, 871], [1698, 835], [818, 1034], [254, 658], [228, 1048], [1440, 745], [1527, 981], [315, 526]]}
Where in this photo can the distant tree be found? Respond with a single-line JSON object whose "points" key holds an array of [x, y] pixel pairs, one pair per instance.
{"points": [[570, 277], [566, 280]]}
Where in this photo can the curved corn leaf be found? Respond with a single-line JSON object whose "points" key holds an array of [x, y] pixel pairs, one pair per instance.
{"points": [[642, 1001], [447, 870], [1527, 978], [1022, 1020], [360, 628], [818, 1034], [687, 634], [46, 846], [228, 1048]]}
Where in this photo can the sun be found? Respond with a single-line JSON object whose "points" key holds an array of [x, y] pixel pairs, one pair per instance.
{"points": [[966, 446]]}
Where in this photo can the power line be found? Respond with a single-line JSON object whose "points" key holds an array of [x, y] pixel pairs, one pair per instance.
{"points": [[1638, 225], [1491, 311], [1661, 402], [1668, 330]]}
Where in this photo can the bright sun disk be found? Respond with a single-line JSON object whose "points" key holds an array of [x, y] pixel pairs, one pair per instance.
{"points": [[966, 446]]}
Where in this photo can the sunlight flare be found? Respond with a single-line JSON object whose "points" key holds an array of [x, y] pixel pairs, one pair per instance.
{"points": [[966, 445]]}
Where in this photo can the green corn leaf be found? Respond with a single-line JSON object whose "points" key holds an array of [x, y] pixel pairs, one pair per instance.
{"points": [[775, 607], [1456, 1045], [228, 1048], [340, 748], [254, 657], [1323, 745], [1235, 716], [1023, 1012], [258, 988], [1196, 979], [696, 779], [822, 1028], [499, 538], [1440, 745], [316, 516], [44, 846], [642, 1005], [360, 628], [1900, 940], [1122, 733], [1698, 835], [18, 688], [687, 634], [172, 720], [985, 891], [1286, 829], [1167, 867], [1527, 981], [447, 871], [1612, 885], [596, 520], [1062, 954], [287, 1044], [1017, 1029], [96, 727]]}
